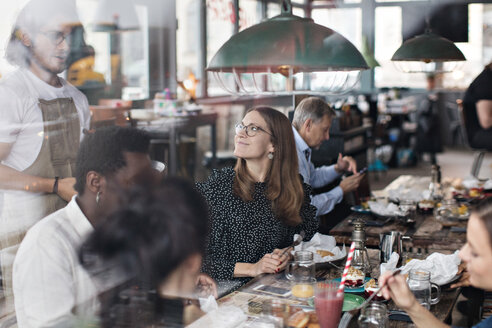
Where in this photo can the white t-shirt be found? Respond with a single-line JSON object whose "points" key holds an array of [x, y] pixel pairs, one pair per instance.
{"points": [[21, 120], [51, 288]]}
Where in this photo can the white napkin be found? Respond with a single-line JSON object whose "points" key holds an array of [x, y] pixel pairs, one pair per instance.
{"points": [[208, 304], [384, 209], [226, 316], [322, 242], [390, 265], [443, 268], [472, 182], [406, 193]]}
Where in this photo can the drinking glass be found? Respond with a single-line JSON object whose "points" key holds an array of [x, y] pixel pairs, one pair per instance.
{"points": [[302, 275], [421, 286], [375, 315], [276, 312], [328, 304], [408, 208]]}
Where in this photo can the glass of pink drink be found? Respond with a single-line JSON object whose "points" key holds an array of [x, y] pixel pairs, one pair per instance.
{"points": [[328, 305]]}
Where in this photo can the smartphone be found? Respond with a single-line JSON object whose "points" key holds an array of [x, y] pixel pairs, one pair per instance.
{"points": [[364, 170], [277, 291]]}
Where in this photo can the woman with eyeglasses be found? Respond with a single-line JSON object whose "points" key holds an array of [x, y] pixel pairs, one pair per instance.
{"points": [[257, 206]]}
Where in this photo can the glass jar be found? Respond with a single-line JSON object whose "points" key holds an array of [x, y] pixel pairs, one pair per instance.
{"points": [[302, 274], [360, 259], [275, 313], [375, 315], [447, 211]]}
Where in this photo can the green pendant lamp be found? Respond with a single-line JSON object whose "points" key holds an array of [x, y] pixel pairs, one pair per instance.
{"points": [[287, 54], [428, 53]]}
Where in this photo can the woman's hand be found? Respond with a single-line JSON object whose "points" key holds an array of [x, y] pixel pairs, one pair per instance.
{"points": [[397, 289], [206, 286], [283, 255], [269, 263], [464, 279]]}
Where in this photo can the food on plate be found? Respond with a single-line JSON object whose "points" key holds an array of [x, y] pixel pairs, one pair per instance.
{"points": [[370, 288], [299, 319], [355, 277], [426, 205], [324, 253], [463, 210], [475, 192], [313, 320], [303, 290]]}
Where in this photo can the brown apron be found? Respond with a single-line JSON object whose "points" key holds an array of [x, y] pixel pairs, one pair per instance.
{"points": [[61, 137]]}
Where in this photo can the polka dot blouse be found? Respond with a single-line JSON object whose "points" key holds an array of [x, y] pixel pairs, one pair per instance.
{"points": [[245, 231]]}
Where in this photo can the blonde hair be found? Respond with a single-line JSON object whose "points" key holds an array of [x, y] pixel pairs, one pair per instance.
{"points": [[284, 187]]}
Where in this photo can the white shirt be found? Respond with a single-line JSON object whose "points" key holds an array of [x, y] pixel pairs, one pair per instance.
{"points": [[317, 178], [51, 288], [21, 119]]}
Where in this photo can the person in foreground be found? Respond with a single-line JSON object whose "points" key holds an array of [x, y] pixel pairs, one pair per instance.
{"points": [[311, 126], [42, 119], [257, 206], [476, 254], [146, 257], [50, 286]]}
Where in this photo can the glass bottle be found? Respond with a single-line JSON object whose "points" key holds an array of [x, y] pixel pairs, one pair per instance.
{"points": [[435, 185], [360, 258], [375, 315]]}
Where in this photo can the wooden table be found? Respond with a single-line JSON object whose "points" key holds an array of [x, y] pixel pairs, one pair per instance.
{"points": [[250, 300], [427, 232]]}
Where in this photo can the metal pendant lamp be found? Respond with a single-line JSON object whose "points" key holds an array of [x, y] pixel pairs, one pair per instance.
{"points": [[427, 53], [115, 16], [287, 54]]}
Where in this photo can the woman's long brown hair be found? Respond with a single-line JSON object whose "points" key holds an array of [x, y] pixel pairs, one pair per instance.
{"points": [[484, 212], [284, 187]]}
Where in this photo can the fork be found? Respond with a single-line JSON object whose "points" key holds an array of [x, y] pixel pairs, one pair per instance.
{"points": [[296, 242], [347, 316]]}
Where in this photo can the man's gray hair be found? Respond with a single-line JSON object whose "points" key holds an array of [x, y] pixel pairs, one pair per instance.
{"points": [[313, 108]]}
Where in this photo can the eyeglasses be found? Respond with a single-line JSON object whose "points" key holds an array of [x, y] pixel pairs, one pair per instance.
{"points": [[57, 37], [251, 130]]}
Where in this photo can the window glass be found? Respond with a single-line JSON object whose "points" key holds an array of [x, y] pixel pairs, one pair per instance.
{"points": [[121, 60], [337, 19], [478, 49], [388, 38], [249, 13], [220, 27], [188, 43], [273, 9]]}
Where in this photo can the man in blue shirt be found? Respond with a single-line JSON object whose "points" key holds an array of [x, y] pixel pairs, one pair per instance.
{"points": [[311, 126]]}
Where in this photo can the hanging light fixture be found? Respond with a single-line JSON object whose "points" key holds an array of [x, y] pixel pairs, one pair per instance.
{"points": [[115, 15], [428, 53], [368, 53], [287, 54]]}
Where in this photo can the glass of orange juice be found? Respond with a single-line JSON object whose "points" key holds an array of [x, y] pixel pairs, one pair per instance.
{"points": [[301, 274]]}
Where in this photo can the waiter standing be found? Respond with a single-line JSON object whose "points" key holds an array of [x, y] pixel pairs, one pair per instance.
{"points": [[42, 118]]}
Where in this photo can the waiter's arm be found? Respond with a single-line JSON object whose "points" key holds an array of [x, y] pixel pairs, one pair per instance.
{"points": [[484, 113], [12, 179]]}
